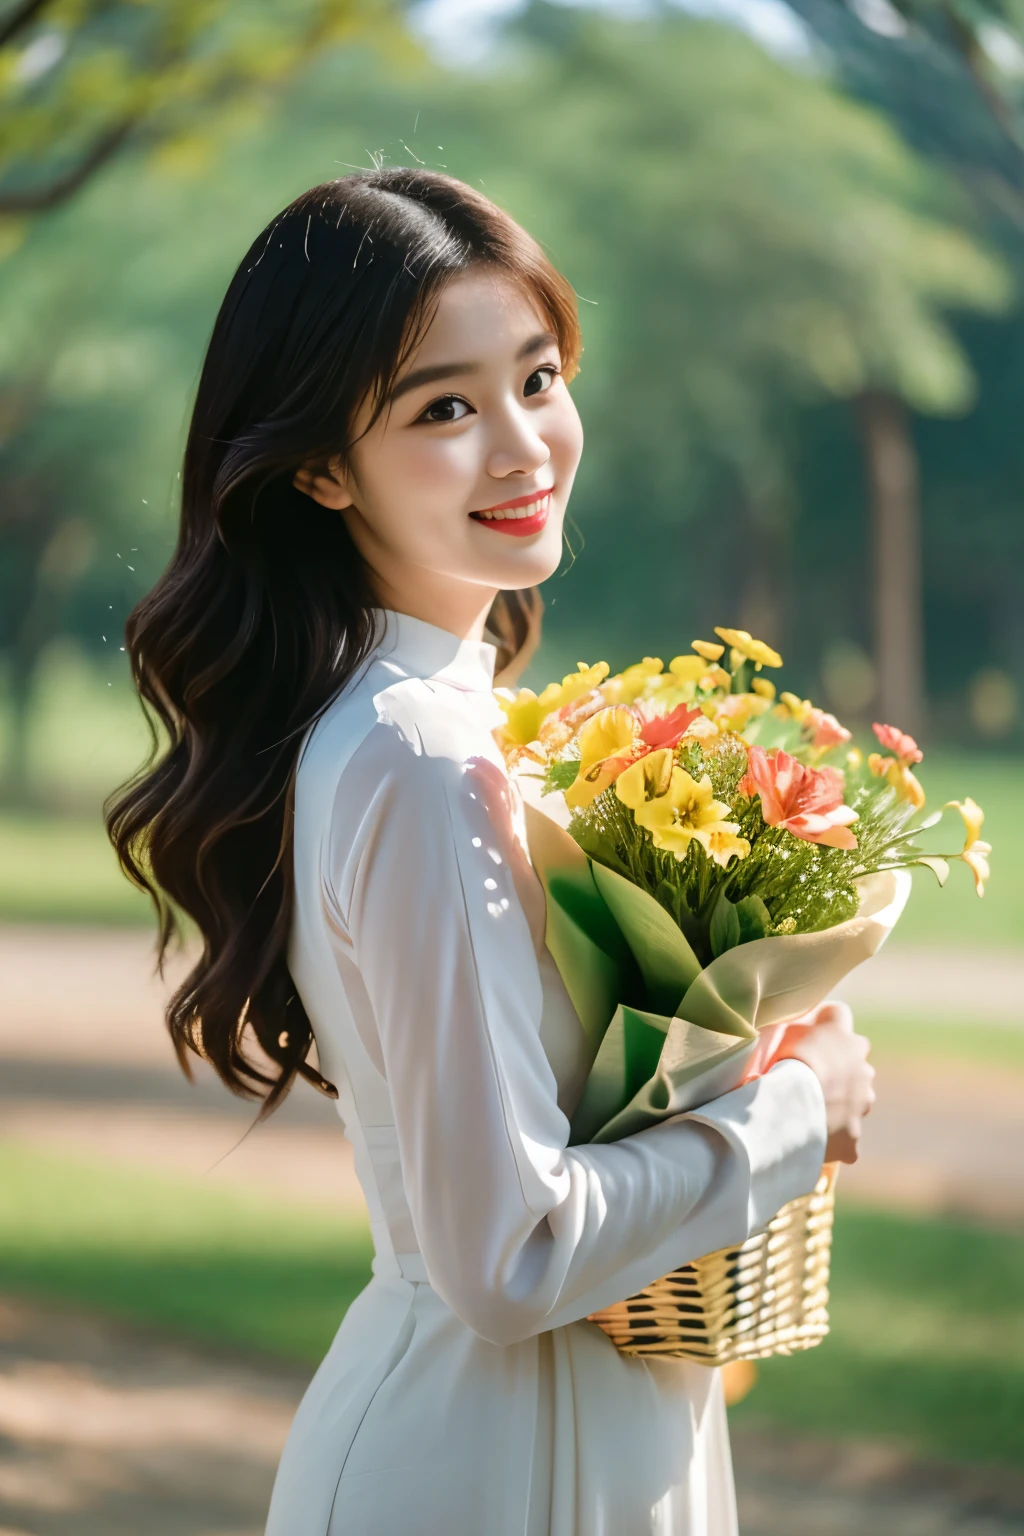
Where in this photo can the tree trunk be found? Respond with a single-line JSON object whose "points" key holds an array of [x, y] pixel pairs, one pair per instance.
{"points": [[16, 779], [891, 464], [765, 537]]}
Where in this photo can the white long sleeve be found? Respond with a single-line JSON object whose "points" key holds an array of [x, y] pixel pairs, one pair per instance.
{"points": [[518, 1232]]}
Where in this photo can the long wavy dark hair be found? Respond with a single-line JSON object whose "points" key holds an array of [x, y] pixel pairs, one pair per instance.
{"points": [[264, 611]]}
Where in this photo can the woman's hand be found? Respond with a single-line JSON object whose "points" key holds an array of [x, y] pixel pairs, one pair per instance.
{"points": [[838, 1057]]}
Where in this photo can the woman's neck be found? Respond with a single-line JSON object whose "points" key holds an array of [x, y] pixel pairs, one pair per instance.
{"points": [[459, 607]]}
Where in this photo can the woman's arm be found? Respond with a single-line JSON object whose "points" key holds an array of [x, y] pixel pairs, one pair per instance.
{"points": [[518, 1232]]}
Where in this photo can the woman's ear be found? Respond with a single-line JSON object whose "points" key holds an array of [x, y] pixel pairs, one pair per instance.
{"points": [[326, 482]]}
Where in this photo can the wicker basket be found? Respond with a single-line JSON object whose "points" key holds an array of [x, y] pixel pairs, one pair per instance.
{"points": [[769, 1296]]}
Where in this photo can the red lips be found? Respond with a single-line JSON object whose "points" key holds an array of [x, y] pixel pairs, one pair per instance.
{"points": [[518, 527]]}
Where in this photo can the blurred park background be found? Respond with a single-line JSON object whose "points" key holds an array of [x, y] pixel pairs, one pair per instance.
{"points": [[797, 235]]}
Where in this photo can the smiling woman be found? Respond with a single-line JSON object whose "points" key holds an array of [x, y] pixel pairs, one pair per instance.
{"points": [[377, 473], [428, 483], [319, 396]]}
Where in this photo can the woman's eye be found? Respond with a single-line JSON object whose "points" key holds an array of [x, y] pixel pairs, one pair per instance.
{"points": [[546, 368], [446, 404], [444, 410]]}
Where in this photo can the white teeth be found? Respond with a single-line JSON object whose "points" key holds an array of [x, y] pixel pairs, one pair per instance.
{"points": [[530, 510]]}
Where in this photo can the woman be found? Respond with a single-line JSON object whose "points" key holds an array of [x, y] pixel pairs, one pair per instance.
{"points": [[380, 459]]}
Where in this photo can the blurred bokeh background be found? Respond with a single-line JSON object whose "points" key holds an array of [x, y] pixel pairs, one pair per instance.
{"points": [[797, 234]]}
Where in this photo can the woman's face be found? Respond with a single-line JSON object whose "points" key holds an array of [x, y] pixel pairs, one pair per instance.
{"points": [[479, 417]]}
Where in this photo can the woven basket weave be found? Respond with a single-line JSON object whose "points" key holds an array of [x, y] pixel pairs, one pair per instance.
{"points": [[769, 1296]]}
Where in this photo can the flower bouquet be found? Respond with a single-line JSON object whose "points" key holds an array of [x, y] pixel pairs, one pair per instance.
{"points": [[715, 859]]}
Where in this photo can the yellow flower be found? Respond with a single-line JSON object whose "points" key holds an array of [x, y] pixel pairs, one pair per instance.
{"points": [[722, 845], [976, 859], [606, 744], [627, 686], [716, 677], [794, 706], [975, 852], [763, 687], [708, 649], [854, 759], [523, 716], [674, 807], [688, 669], [899, 776], [973, 816], [754, 650], [573, 686], [551, 698]]}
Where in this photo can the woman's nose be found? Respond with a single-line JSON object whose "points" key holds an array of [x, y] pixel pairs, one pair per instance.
{"points": [[517, 447]]}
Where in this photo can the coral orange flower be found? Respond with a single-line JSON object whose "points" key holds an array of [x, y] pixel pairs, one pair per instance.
{"points": [[806, 801], [896, 770], [614, 738], [824, 729], [903, 747]]}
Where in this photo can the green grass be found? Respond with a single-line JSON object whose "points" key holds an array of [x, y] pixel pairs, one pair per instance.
{"points": [[87, 733], [58, 870], [914, 1039], [207, 1263], [955, 915], [927, 1342], [926, 1349]]}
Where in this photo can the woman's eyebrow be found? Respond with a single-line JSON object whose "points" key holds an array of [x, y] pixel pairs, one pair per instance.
{"points": [[437, 371]]}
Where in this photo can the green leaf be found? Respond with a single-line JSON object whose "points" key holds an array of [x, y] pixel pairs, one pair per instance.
{"points": [[754, 918], [667, 963], [938, 867], [724, 932], [561, 775], [626, 1059], [594, 960]]}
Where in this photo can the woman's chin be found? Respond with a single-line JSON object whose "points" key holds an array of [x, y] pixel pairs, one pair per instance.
{"points": [[514, 562]]}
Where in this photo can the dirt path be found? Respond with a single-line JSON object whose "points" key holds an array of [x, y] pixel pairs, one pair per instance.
{"points": [[106, 1431], [85, 1065]]}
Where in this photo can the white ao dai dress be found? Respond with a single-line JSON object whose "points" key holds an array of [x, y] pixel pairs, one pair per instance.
{"points": [[465, 1394]]}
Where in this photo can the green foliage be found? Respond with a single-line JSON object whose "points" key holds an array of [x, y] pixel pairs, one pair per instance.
{"points": [[560, 775], [79, 77], [775, 238], [739, 922]]}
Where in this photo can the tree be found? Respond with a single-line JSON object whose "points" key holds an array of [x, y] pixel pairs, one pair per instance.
{"points": [[768, 244], [81, 82], [79, 79], [946, 74]]}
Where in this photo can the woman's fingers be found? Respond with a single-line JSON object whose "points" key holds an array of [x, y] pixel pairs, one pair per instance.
{"points": [[842, 1147]]}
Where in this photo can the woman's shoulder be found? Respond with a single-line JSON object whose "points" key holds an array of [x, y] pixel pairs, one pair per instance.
{"points": [[401, 776], [409, 735]]}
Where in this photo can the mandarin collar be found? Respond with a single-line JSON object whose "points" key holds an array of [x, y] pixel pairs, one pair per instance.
{"points": [[418, 649]]}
